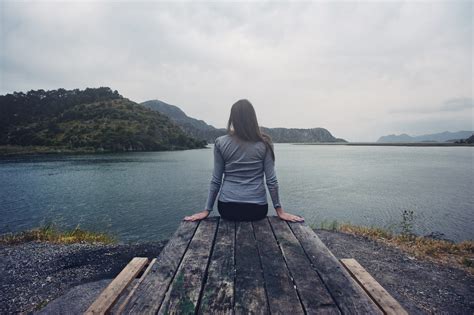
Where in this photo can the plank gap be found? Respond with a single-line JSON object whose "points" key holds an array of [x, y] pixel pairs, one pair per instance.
{"points": [[250, 292], [177, 268], [261, 267], [348, 295], [183, 293], [288, 268], [198, 303], [317, 272], [152, 290]]}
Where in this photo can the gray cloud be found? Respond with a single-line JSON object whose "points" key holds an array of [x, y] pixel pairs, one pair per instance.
{"points": [[458, 104], [451, 105], [355, 68]]}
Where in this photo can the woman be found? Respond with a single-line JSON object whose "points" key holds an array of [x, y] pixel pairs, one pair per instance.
{"points": [[243, 155]]}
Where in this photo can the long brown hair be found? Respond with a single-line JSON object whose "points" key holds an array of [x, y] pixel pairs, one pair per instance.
{"points": [[245, 125]]}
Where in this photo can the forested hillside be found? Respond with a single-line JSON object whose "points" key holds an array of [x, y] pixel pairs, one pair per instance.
{"points": [[98, 119]]}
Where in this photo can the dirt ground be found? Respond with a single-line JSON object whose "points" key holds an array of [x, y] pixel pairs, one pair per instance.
{"points": [[422, 287]]}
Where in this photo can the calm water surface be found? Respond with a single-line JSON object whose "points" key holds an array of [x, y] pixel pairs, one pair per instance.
{"points": [[144, 196]]}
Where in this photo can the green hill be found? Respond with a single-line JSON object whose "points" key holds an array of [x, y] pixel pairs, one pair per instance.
{"points": [[92, 119]]}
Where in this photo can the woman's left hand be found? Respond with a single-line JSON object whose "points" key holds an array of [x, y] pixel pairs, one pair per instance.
{"points": [[197, 216]]}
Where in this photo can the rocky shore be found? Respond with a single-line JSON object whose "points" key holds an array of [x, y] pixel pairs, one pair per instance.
{"points": [[49, 278], [33, 274]]}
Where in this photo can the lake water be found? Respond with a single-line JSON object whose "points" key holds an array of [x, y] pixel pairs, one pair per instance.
{"points": [[143, 196]]}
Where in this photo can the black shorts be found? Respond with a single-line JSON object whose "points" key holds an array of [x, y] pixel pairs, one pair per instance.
{"points": [[241, 211]]}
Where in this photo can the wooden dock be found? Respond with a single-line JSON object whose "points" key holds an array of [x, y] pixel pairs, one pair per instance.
{"points": [[216, 266]]}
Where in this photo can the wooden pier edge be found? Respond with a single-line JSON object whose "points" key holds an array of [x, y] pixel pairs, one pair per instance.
{"points": [[109, 296], [124, 303], [374, 290]]}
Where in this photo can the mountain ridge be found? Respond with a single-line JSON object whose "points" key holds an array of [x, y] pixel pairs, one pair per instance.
{"points": [[201, 130], [445, 136]]}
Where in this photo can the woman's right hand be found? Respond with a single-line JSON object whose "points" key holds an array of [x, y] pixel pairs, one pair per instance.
{"points": [[288, 216]]}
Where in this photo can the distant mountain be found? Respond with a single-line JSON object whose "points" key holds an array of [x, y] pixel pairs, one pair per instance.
{"points": [[93, 119], [436, 137], [296, 135], [191, 126], [469, 140], [201, 130]]}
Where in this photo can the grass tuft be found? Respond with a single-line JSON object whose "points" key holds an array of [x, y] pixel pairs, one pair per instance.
{"points": [[460, 255], [50, 233], [370, 232], [329, 225]]}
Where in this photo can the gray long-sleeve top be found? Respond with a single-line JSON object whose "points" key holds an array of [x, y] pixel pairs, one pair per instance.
{"points": [[243, 165]]}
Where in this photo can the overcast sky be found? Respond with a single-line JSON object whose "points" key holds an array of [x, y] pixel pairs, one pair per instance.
{"points": [[359, 69]]}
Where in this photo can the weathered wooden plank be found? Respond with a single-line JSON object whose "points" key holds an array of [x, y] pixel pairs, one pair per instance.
{"points": [[281, 293], [106, 300], [350, 298], [218, 291], [183, 295], [250, 296], [150, 293], [378, 294], [120, 308], [313, 294]]}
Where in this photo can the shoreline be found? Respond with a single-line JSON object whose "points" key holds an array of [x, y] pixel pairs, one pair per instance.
{"points": [[31, 151], [394, 144], [40, 275]]}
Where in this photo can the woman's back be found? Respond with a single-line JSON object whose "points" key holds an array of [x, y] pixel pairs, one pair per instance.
{"points": [[243, 164], [243, 160]]}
